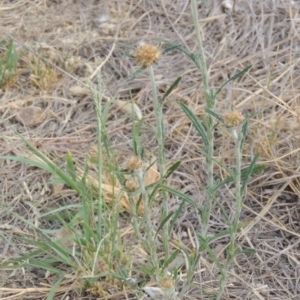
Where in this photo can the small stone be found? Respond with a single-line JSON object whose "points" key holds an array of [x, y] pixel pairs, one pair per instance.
{"points": [[31, 116]]}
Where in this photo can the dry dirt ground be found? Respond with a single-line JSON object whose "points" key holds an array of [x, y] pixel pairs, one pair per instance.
{"points": [[62, 43]]}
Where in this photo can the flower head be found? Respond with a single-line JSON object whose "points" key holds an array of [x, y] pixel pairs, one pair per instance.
{"points": [[131, 185], [133, 163], [167, 283], [233, 118], [147, 54]]}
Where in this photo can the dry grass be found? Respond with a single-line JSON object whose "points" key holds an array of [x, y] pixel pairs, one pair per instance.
{"points": [[53, 36]]}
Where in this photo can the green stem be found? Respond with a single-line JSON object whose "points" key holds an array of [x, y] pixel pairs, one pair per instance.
{"points": [[193, 264], [147, 218], [210, 104], [98, 100], [201, 57], [238, 208], [211, 181], [161, 158], [135, 217]]}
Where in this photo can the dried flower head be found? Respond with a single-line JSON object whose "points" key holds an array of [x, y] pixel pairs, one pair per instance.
{"points": [[147, 54], [131, 185], [167, 283], [233, 118], [133, 163]]}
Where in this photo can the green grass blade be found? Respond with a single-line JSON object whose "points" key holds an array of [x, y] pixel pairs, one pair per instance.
{"points": [[14, 263], [27, 260], [196, 122], [59, 209], [54, 288], [247, 251], [43, 265], [54, 169], [47, 165], [30, 162], [8, 63], [63, 255], [70, 165], [11, 58]]}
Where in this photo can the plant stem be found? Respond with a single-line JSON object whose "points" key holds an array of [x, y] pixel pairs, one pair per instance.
{"points": [[135, 223], [238, 208], [201, 57], [210, 104], [147, 217], [98, 100], [161, 158]]}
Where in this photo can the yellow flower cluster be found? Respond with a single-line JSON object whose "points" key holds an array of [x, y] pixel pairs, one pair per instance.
{"points": [[147, 54], [233, 118], [133, 163]]}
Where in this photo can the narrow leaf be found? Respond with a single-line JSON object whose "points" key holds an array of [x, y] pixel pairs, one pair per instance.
{"points": [[222, 233], [164, 221], [180, 48], [229, 179], [180, 195], [48, 165], [137, 72], [70, 165], [176, 215], [34, 163], [57, 210], [244, 132], [212, 113], [197, 124], [249, 171], [248, 251], [171, 258], [42, 265], [240, 74], [54, 288], [171, 88], [46, 246], [212, 255], [172, 169], [172, 48]]}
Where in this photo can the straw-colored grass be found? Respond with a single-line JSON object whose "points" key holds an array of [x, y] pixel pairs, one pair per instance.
{"points": [[63, 46]]}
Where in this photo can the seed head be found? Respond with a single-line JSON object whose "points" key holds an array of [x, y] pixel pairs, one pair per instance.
{"points": [[233, 118], [133, 163], [167, 283], [131, 185], [147, 54]]}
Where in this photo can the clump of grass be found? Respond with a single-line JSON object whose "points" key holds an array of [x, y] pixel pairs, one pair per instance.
{"points": [[42, 75], [8, 63], [88, 242]]}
